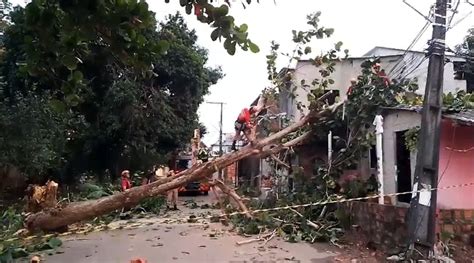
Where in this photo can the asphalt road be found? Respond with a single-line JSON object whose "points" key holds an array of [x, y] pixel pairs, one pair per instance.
{"points": [[171, 239]]}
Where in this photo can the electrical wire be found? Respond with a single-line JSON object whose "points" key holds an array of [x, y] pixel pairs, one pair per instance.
{"points": [[407, 64], [455, 11], [412, 44], [414, 68], [453, 137]]}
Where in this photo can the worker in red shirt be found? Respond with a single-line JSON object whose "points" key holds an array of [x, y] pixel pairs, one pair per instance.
{"points": [[381, 73], [351, 87], [243, 124], [126, 184]]}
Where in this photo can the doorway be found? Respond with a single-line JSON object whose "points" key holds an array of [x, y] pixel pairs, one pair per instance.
{"points": [[403, 168]]}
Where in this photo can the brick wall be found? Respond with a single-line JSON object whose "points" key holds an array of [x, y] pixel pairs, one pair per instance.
{"points": [[457, 223], [230, 173], [385, 225]]}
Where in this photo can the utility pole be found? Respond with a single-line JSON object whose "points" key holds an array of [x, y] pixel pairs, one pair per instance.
{"points": [[220, 131], [422, 213]]}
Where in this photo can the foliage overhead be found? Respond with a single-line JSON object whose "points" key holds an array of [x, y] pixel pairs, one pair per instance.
{"points": [[106, 88], [224, 24], [466, 50]]}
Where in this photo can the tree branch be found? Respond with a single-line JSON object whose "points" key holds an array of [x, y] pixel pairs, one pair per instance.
{"points": [[231, 193], [280, 162], [310, 223]]}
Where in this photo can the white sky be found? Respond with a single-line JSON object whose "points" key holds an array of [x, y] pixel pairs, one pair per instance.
{"points": [[360, 25]]}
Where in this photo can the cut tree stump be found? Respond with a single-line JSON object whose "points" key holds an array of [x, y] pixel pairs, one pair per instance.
{"points": [[60, 216], [41, 197]]}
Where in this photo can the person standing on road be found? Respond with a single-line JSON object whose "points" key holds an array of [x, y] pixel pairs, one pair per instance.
{"points": [[172, 199]]}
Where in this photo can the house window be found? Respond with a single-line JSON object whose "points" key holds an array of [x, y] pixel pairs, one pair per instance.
{"points": [[459, 73], [332, 98], [373, 157]]}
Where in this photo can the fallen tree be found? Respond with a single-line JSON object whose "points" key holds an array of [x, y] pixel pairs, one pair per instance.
{"points": [[60, 216]]}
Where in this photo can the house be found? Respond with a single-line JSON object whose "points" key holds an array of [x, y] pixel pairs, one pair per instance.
{"points": [[227, 139], [250, 168], [397, 63], [456, 162], [455, 216]]}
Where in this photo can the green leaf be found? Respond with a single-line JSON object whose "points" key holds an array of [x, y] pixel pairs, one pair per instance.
{"points": [[55, 242], [329, 31], [19, 253], [227, 43], [77, 76], [96, 195], [223, 10], [253, 47], [70, 62], [183, 2], [338, 46], [243, 28], [163, 46], [231, 49], [215, 34], [73, 100], [307, 50], [33, 71], [189, 9], [57, 105], [6, 256], [143, 7]]}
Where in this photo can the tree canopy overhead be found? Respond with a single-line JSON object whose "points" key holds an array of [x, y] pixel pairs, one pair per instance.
{"points": [[99, 84]]}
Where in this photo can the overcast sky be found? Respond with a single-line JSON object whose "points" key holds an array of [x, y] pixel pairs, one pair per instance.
{"points": [[360, 25]]}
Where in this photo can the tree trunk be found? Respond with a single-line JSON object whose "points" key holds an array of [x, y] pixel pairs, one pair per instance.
{"points": [[55, 218]]}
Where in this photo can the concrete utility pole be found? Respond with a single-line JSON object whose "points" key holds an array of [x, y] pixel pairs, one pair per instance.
{"points": [[422, 213], [220, 131]]}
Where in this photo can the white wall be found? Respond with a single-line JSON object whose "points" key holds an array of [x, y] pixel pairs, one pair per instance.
{"points": [[344, 71], [395, 122], [413, 59], [350, 68]]}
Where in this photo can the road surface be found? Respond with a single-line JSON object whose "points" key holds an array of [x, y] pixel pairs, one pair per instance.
{"points": [[165, 240]]}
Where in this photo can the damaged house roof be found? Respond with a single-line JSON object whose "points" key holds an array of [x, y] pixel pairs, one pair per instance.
{"points": [[464, 117]]}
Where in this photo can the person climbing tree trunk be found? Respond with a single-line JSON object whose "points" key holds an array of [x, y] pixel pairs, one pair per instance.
{"points": [[243, 125]]}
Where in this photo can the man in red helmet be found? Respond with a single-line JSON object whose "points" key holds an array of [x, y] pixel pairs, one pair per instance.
{"points": [[381, 73], [126, 183], [243, 124], [352, 86]]}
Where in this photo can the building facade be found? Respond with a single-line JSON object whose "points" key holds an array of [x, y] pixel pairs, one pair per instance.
{"points": [[456, 162], [398, 64]]}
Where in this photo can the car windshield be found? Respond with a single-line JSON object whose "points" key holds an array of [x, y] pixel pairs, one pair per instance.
{"points": [[183, 164]]}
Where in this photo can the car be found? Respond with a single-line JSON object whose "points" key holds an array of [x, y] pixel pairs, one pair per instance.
{"points": [[183, 163]]}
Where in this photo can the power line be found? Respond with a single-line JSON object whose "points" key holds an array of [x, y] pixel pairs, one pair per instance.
{"points": [[414, 41], [455, 10], [414, 68]]}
